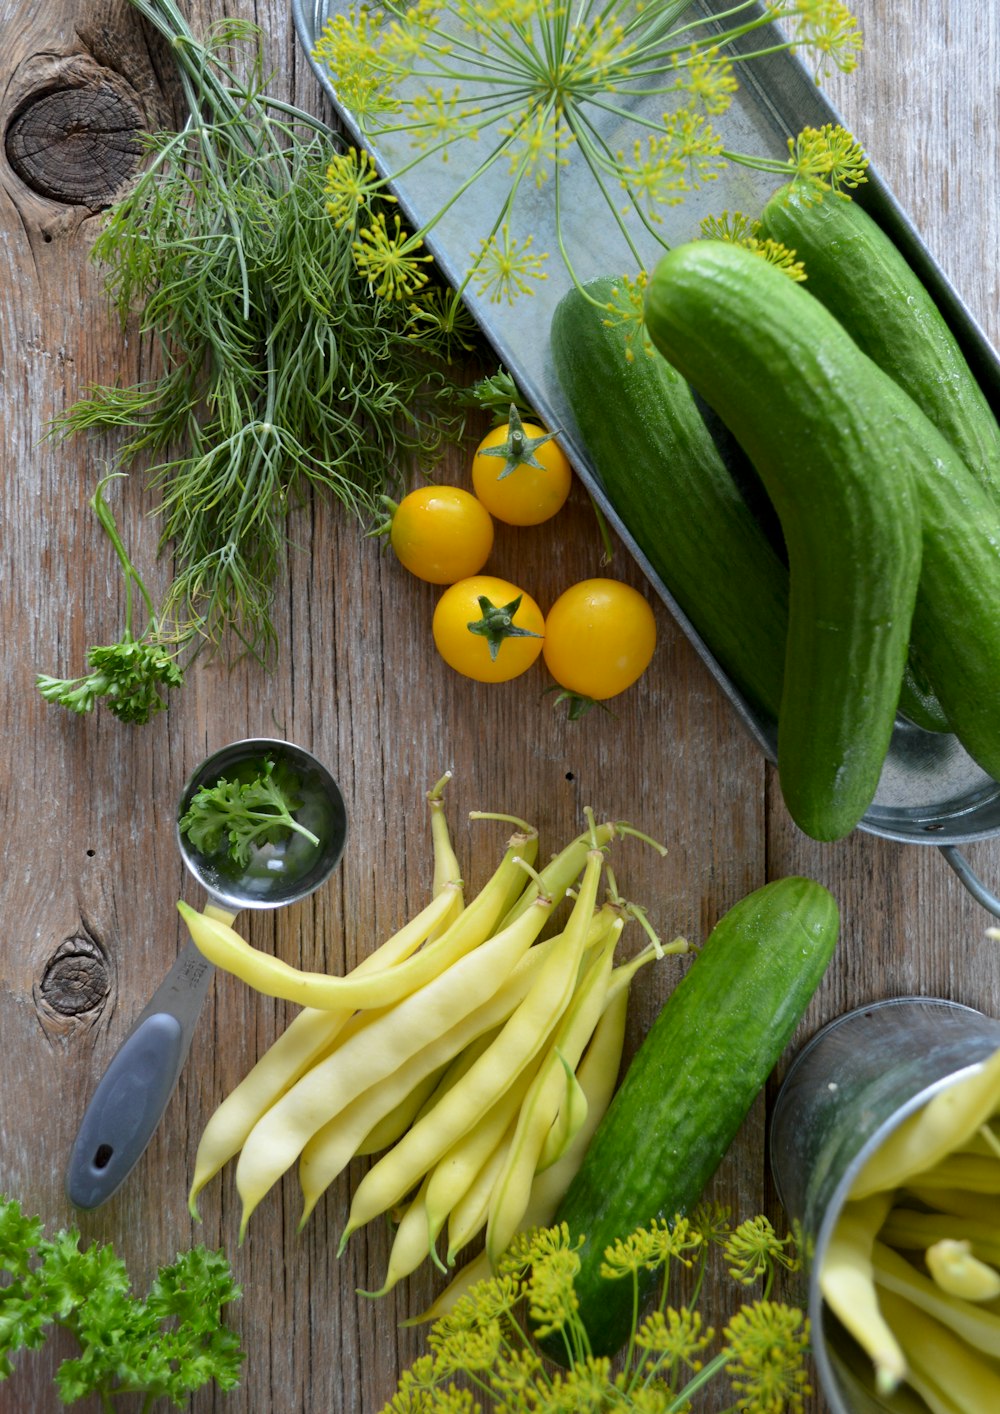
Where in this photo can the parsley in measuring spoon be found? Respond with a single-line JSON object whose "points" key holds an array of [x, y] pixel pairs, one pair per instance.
{"points": [[242, 825]]}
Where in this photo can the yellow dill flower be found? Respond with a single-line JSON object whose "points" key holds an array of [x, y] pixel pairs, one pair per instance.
{"points": [[707, 78], [740, 230], [627, 307], [826, 159], [828, 29], [544, 83], [349, 46], [766, 1348], [352, 182], [676, 1336], [754, 1249], [537, 141], [390, 260], [516, 1376], [474, 1348], [505, 267], [580, 1390], [552, 1300], [414, 1389], [436, 118], [712, 1221], [650, 1247]]}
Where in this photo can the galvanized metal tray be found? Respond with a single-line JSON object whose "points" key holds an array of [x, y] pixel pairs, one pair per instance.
{"points": [[930, 791]]}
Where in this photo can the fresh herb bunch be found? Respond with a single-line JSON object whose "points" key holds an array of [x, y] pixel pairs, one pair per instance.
{"points": [[542, 88], [486, 1342], [244, 814], [164, 1346], [130, 673], [281, 372]]}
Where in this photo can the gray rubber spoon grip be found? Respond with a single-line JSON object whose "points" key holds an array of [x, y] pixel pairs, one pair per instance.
{"points": [[125, 1110]]}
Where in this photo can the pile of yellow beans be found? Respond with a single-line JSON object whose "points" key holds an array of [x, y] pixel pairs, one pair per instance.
{"points": [[912, 1269], [472, 1054]]}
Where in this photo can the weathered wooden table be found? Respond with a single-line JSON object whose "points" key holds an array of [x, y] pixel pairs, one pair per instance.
{"points": [[91, 871]]}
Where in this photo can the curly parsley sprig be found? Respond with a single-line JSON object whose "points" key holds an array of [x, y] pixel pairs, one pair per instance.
{"points": [[129, 674], [163, 1346]]}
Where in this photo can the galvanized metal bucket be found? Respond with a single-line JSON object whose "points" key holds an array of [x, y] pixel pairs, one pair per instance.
{"points": [[853, 1083]]}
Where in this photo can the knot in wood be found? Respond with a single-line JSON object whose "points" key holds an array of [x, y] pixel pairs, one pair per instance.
{"points": [[76, 978], [76, 145]]}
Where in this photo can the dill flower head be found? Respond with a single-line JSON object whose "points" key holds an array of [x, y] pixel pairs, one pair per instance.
{"points": [[621, 101], [754, 1249], [650, 1247], [766, 1346]]}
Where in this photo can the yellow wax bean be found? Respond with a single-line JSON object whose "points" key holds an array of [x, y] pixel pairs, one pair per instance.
{"points": [[956, 1271], [510, 1197], [454, 1173], [847, 1281], [386, 1131], [563, 869], [597, 1075], [913, 1231], [570, 1115], [223, 946], [604, 1048], [410, 1245], [475, 1271], [446, 866], [516, 1046], [308, 1037], [335, 1143], [948, 1374], [979, 1327], [976, 1173], [468, 1217], [332, 1147], [948, 1120], [982, 1207], [378, 1050]]}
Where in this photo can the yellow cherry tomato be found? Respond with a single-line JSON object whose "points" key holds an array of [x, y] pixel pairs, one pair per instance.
{"points": [[441, 533], [520, 474], [599, 638], [488, 629]]}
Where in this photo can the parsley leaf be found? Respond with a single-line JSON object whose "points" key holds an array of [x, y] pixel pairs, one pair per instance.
{"points": [[244, 814], [164, 1346]]}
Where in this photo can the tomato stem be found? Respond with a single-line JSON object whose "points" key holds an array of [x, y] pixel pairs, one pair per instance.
{"points": [[497, 624]]}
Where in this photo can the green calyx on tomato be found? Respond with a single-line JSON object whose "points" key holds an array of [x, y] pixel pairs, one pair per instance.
{"points": [[466, 647], [519, 449], [498, 623], [534, 478]]}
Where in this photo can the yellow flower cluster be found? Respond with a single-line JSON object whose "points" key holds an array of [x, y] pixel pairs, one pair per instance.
{"points": [[543, 86]]}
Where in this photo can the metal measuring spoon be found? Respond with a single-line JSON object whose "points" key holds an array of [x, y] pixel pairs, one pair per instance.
{"points": [[133, 1092]]}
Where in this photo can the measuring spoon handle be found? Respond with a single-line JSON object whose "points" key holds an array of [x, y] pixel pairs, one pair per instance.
{"points": [[133, 1093]]}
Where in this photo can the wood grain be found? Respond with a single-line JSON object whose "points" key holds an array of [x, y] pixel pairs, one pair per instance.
{"points": [[92, 874]]}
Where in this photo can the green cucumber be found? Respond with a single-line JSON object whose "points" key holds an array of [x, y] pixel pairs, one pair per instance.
{"points": [[806, 406], [955, 631], [855, 269], [660, 466], [664, 475], [692, 1082]]}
